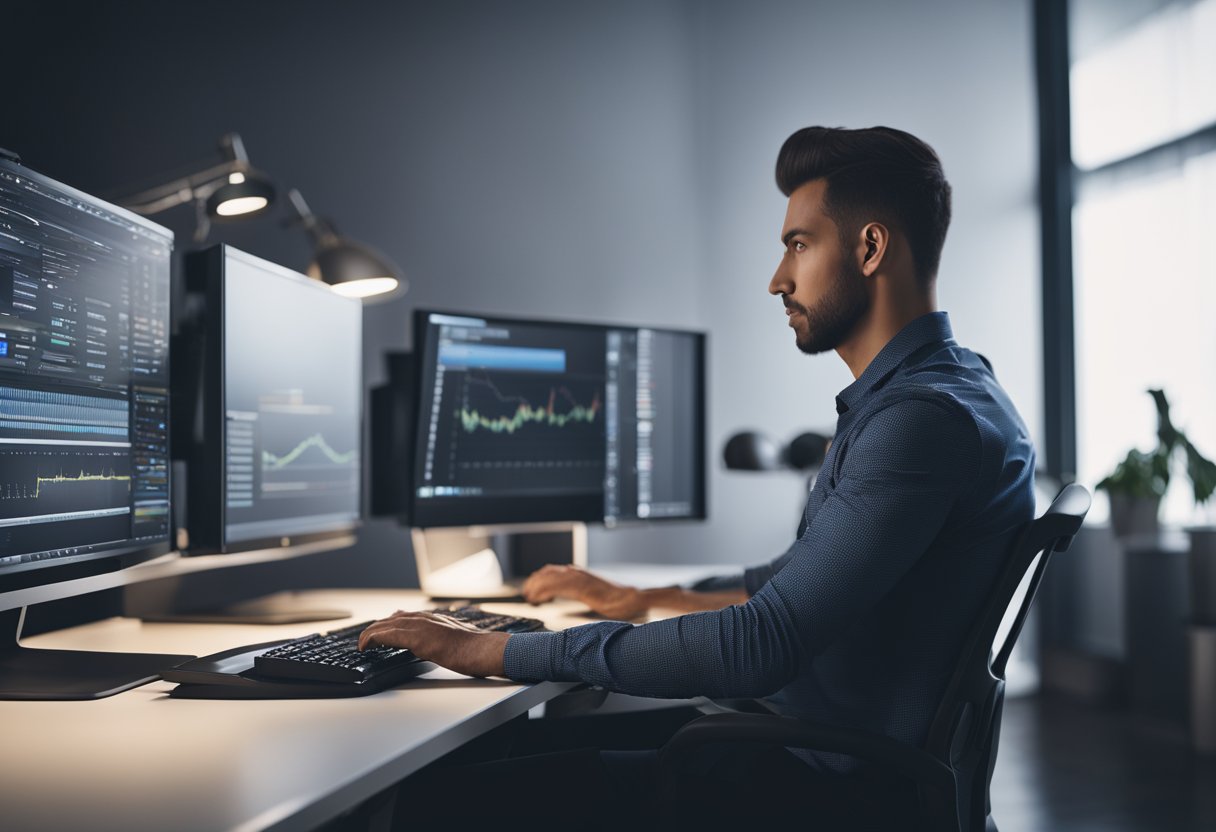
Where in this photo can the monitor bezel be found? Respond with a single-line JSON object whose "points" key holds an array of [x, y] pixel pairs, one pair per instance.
{"points": [[206, 498], [123, 555], [509, 516]]}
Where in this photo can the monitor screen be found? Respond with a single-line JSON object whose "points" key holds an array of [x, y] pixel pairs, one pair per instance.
{"points": [[280, 417], [84, 376], [656, 406], [531, 421]]}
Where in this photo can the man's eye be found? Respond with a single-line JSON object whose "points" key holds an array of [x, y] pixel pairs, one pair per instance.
{"points": [[797, 246]]}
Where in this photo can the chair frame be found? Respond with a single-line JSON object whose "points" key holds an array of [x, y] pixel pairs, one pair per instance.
{"points": [[953, 768]]}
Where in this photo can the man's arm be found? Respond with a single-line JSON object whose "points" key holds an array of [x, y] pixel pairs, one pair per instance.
{"points": [[900, 481], [618, 601]]}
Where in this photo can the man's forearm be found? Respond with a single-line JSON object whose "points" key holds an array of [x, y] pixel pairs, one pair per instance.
{"points": [[686, 600]]}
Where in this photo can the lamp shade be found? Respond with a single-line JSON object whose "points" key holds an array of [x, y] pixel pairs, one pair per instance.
{"points": [[243, 195], [355, 270]]}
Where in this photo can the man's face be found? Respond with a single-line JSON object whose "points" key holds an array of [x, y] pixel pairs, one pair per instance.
{"points": [[818, 279]]}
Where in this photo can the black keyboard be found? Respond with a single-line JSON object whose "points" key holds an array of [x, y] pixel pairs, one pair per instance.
{"points": [[331, 657], [325, 665], [335, 656]]}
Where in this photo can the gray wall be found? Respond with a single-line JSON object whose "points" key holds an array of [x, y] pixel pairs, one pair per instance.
{"points": [[958, 74], [597, 161]]}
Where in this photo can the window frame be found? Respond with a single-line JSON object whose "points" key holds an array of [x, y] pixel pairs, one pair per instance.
{"points": [[1060, 181]]}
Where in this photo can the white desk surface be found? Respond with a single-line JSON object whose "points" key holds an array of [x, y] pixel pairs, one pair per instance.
{"points": [[142, 761]]}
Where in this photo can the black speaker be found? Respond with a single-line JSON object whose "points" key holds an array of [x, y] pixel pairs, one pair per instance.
{"points": [[393, 412]]}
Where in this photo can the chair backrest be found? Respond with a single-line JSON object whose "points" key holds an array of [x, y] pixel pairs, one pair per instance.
{"points": [[966, 727]]}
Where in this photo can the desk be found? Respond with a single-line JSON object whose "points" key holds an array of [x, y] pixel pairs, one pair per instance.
{"points": [[142, 761]]}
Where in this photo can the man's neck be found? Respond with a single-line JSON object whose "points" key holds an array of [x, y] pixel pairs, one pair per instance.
{"points": [[882, 323]]}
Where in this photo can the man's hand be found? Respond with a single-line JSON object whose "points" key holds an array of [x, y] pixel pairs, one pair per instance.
{"points": [[437, 638], [604, 597]]}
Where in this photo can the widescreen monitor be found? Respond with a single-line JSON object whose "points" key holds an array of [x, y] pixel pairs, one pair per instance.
{"points": [[535, 421], [278, 417], [84, 381]]}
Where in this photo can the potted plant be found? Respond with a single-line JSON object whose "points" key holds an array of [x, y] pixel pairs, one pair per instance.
{"points": [[1138, 483]]}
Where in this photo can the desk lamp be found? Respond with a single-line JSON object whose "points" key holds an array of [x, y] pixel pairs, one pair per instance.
{"points": [[350, 268], [230, 190]]}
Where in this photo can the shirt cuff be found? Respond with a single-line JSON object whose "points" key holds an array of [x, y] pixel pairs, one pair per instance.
{"points": [[533, 657]]}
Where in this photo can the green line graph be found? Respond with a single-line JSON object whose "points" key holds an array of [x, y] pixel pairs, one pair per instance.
{"points": [[82, 477], [272, 462], [63, 479], [472, 420]]}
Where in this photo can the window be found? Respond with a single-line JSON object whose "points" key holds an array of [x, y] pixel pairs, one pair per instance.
{"points": [[1143, 92]]}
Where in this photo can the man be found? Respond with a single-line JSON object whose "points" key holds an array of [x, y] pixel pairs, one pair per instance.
{"points": [[926, 482]]}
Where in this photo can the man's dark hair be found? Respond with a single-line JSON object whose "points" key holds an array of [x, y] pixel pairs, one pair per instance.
{"points": [[878, 174]]}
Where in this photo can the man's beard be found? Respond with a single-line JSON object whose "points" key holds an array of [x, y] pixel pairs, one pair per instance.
{"points": [[836, 314]]}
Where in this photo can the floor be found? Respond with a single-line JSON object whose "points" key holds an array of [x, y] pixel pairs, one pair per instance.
{"points": [[1063, 767], [1067, 766]]}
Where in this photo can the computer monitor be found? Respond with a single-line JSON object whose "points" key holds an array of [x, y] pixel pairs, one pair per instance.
{"points": [[275, 422], [656, 450], [537, 421], [84, 382], [84, 416]]}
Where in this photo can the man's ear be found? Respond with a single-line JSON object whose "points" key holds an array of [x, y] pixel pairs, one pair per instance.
{"points": [[872, 242]]}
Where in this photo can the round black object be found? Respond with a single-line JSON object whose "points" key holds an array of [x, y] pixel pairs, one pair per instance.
{"points": [[751, 451], [806, 451]]}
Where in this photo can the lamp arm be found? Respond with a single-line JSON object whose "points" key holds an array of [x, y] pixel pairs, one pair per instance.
{"points": [[320, 231], [182, 190], [202, 222]]}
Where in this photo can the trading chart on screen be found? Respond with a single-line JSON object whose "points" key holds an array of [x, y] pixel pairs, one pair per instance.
{"points": [[515, 410], [292, 404]]}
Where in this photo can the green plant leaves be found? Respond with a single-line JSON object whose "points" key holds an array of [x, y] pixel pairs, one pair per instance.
{"points": [[1142, 474], [1201, 471]]}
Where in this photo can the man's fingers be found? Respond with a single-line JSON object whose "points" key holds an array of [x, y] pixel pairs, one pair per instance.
{"points": [[539, 589], [452, 621], [402, 629], [381, 632], [398, 637], [370, 635]]}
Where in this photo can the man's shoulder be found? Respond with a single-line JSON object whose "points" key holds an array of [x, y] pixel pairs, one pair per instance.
{"points": [[907, 417], [951, 402], [956, 379], [917, 401]]}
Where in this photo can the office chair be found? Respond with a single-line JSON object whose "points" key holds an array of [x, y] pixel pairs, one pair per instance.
{"points": [[953, 769]]}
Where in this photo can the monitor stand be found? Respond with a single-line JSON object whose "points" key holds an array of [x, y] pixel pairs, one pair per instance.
{"points": [[29, 673], [490, 563]]}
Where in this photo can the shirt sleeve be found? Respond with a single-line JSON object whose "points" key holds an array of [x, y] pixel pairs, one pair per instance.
{"points": [[718, 583], [896, 485], [757, 576]]}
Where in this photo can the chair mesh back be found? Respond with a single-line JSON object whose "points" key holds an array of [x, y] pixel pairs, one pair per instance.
{"points": [[979, 670]]}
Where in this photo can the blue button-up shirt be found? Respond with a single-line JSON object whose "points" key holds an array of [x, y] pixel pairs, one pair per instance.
{"points": [[861, 620]]}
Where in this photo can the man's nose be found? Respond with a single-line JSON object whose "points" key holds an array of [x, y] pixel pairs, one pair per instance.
{"points": [[780, 284]]}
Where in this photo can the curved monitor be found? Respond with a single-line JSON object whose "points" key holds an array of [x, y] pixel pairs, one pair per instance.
{"points": [[275, 456], [84, 381], [533, 421]]}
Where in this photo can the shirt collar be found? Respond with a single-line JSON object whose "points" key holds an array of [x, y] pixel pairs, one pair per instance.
{"points": [[925, 330]]}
